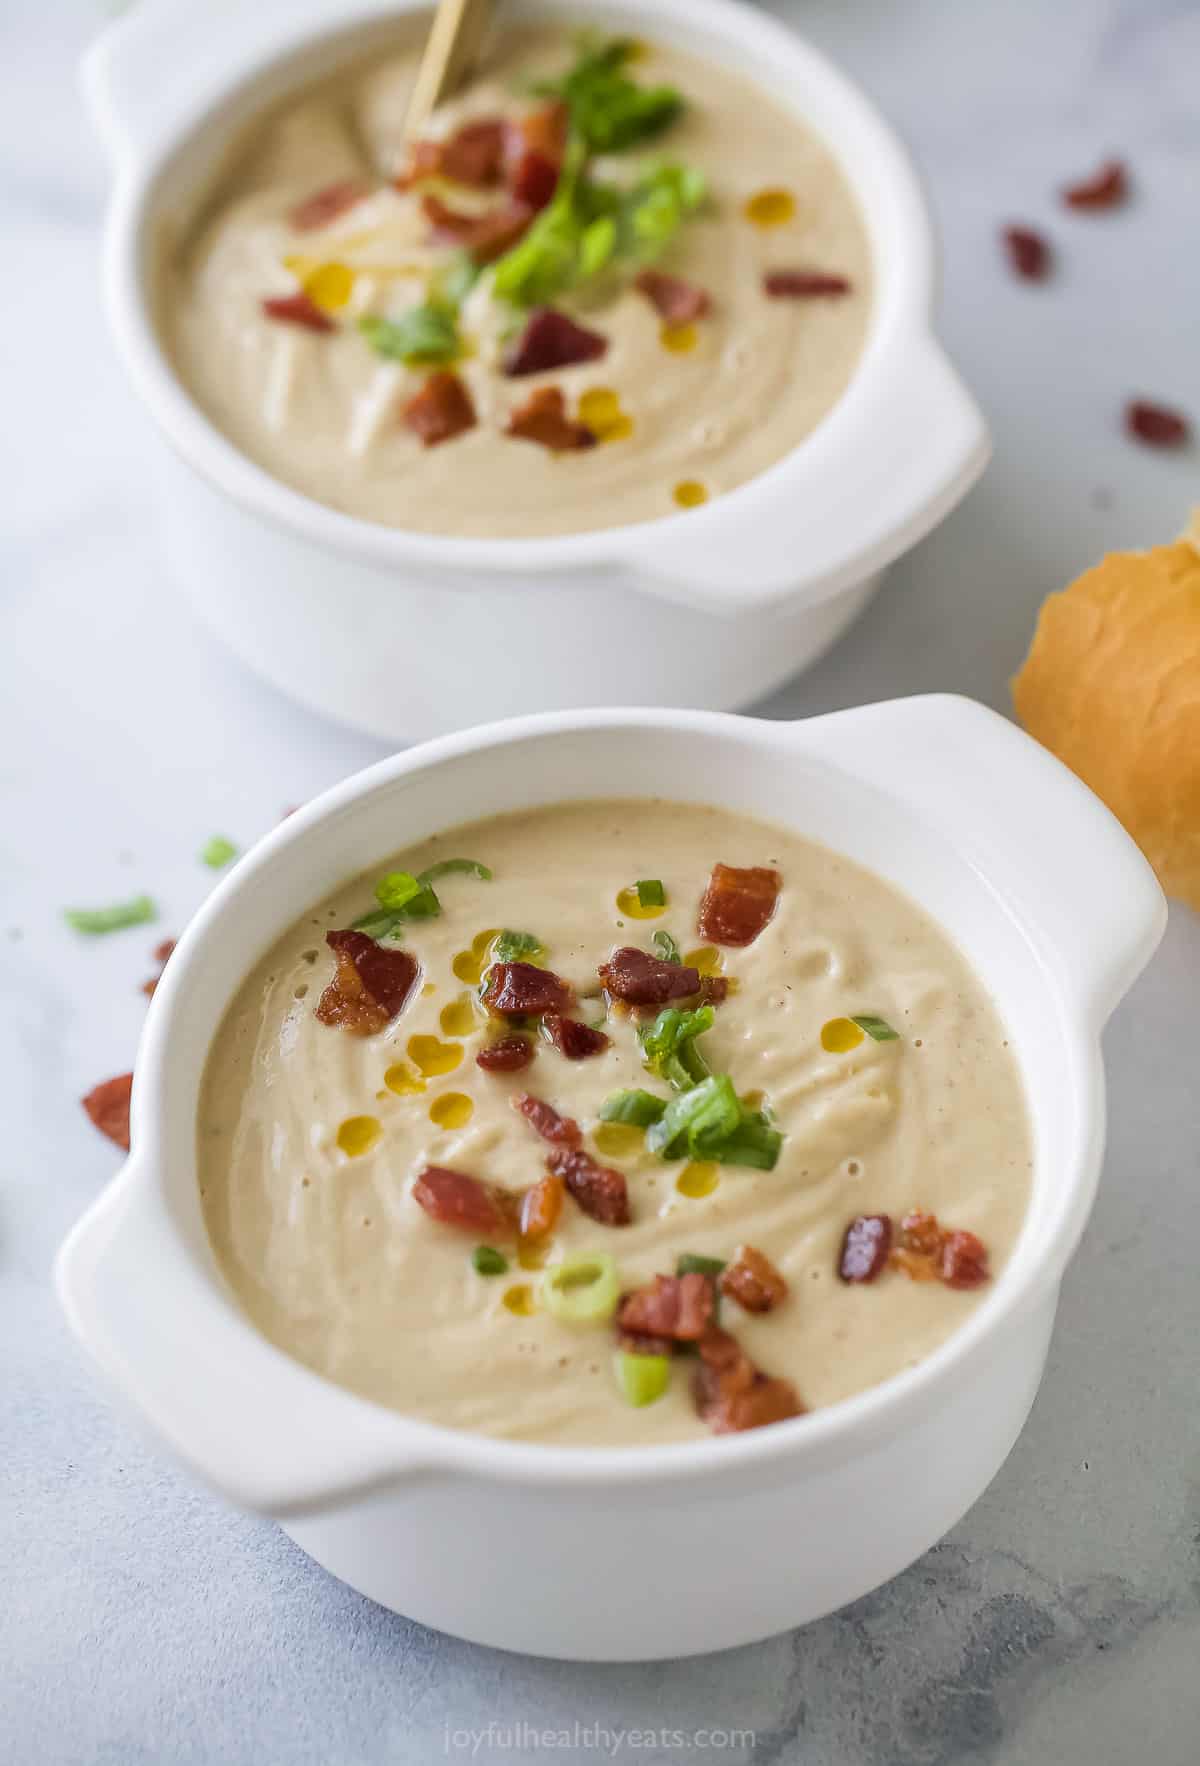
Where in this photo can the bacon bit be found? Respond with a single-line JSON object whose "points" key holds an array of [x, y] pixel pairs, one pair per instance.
{"points": [[1156, 425], [714, 989], [914, 1264], [865, 1247], [753, 1281], [600, 1191], [638, 1345], [1106, 188], [473, 155], [541, 1206], [543, 418], [160, 953], [543, 130], [108, 1106], [676, 301], [562, 1131], [679, 1307], [534, 179], [370, 987], [298, 309], [509, 1054], [639, 979], [441, 410], [927, 1252], [456, 1199], [571, 1038], [327, 204], [964, 1262], [731, 1394], [1028, 253], [523, 990], [486, 236], [921, 1233], [738, 903], [805, 285], [551, 340]]}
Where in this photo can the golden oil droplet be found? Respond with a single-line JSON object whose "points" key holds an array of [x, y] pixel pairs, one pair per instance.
{"points": [[770, 208], [679, 339], [432, 1056], [689, 493], [839, 1036], [428, 988], [330, 286], [453, 1109], [403, 1081], [698, 1180], [519, 1299], [459, 1017], [532, 1253], [469, 965], [628, 903], [358, 1134], [618, 1140], [706, 958], [620, 430], [600, 409]]}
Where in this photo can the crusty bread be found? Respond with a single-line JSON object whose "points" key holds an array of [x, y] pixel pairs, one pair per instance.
{"points": [[1111, 685]]}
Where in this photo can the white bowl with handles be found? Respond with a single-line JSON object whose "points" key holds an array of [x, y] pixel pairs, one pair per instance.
{"points": [[397, 632], [601, 1553]]}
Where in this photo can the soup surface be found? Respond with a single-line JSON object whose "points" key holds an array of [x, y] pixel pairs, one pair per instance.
{"points": [[601, 291], [367, 1183]]}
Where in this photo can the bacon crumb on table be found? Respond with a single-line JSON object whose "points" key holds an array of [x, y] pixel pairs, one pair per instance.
{"points": [[160, 953], [1028, 253], [371, 985], [601, 1192], [1107, 188], [738, 903], [1156, 425], [108, 1106]]}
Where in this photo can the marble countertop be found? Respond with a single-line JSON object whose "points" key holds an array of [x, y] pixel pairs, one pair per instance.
{"points": [[142, 1621]]}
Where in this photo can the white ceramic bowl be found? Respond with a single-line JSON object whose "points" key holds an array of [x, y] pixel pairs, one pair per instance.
{"points": [[397, 632], [607, 1553]]}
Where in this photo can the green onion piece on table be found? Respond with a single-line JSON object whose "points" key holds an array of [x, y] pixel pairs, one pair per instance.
{"points": [[217, 852], [642, 1378], [583, 1289], [95, 921]]}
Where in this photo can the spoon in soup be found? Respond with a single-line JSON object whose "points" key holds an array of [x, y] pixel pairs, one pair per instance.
{"points": [[451, 51]]}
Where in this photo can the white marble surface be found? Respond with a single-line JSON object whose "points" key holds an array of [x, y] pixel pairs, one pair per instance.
{"points": [[141, 1621]]}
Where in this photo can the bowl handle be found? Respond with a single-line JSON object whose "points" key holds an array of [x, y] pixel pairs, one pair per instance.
{"points": [[1047, 844], [888, 463], [268, 1433]]}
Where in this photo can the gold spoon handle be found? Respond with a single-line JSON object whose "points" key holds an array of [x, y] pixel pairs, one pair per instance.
{"points": [[455, 39]]}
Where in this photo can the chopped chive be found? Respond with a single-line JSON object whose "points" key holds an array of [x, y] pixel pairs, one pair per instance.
{"points": [[691, 1263], [666, 947], [449, 867], [94, 921], [642, 1378], [513, 947], [217, 852], [380, 924], [488, 1261], [669, 1045], [583, 1289], [876, 1028], [402, 893], [637, 1108], [650, 893]]}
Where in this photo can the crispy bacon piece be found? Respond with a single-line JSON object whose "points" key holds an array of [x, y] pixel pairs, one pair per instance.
{"points": [[1104, 189], [541, 1206], [561, 1131], [457, 1199], [108, 1106], [486, 236], [370, 987], [543, 418], [552, 340], [298, 309], [805, 285], [964, 1261], [571, 1038], [638, 1345], [534, 179], [161, 954], [865, 1247], [639, 979], [921, 1233], [508, 1054], [1156, 425], [738, 903], [523, 990], [327, 204], [731, 1394], [676, 301], [713, 989], [473, 155], [753, 1281], [679, 1307], [441, 410], [927, 1252], [600, 1191], [541, 130], [1028, 253]]}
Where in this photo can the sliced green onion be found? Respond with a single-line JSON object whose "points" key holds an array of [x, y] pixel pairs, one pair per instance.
{"points": [[450, 867], [217, 852], [402, 893], [691, 1263], [515, 947], [669, 1045], [380, 924], [488, 1261], [638, 1108], [94, 921], [582, 1289], [650, 893], [755, 1142], [426, 335], [666, 947], [697, 1121], [642, 1378], [876, 1028]]}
